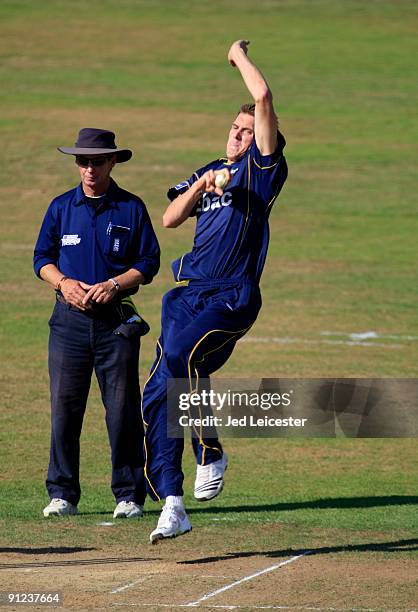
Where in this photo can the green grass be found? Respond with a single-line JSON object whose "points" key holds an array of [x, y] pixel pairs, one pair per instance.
{"points": [[342, 256], [363, 487]]}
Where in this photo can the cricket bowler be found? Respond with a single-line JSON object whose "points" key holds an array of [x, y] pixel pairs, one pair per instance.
{"points": [[231, 198]]}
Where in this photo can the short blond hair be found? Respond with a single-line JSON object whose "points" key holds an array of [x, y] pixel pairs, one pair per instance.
{"points": [[247, 109]]}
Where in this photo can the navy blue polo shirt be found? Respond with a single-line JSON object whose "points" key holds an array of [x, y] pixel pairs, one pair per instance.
{"points": [[232, 230], [92, 243]]}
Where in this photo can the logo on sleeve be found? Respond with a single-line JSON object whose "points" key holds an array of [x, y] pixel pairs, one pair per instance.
{"points": [[70, 240], [182, 185]]}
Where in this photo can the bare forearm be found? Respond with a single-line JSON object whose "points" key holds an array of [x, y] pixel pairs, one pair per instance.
{"points": [[180, 208], [265, 120], [104, 292], [72, 290], [252, 76], [129, 279], [81, 294], [52, 275]]}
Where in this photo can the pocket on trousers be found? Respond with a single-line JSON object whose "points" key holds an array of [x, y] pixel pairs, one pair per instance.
{"points": [[53, 317], [248, 302]]}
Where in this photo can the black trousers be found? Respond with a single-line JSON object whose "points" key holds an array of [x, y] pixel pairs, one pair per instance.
{"points": [[80, 343]]}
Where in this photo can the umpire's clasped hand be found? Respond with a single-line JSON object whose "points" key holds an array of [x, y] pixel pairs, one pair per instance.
{"points": [[100, 293], [74, 293]]}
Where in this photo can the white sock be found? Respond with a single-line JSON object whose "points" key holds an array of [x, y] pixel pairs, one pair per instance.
{"points": [[174, 501]]}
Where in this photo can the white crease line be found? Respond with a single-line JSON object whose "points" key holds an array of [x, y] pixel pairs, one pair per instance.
{"points": [[209, 576], [128, 586], [369, 335], [287, 340], [246, 579], [131, 584]]}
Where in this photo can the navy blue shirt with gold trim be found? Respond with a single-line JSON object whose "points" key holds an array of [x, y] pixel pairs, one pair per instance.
{"points": [[94, 241], [232, 231]]}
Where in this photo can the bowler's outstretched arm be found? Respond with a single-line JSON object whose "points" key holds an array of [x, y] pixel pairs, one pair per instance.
{"points": [[265, 120]]}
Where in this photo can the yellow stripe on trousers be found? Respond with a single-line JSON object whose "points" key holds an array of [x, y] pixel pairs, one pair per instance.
{"points": [[225, 331]]}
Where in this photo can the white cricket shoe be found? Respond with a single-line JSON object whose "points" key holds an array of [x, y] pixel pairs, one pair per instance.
{"points": [[210, 479], [128, 509], [59, 507], [173, 522]]}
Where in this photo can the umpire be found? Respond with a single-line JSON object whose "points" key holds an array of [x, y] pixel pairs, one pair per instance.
{"points": [[95, 247]]}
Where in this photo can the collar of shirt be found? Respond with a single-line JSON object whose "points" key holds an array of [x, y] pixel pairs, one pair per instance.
{"points": [[110, 200]]}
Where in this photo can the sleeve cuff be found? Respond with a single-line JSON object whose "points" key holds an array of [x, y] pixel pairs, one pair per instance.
{"points": [[266, 162], [40, 263], [147, 270]]}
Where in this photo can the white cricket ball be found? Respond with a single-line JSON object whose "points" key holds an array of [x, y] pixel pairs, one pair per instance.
{"points": [[222, 179]]}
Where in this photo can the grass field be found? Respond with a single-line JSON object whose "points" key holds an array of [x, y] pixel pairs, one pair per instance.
{"points": [[342, 260]]}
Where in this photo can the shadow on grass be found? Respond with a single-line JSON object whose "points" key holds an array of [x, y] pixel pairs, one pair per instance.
{"points": [[396, 546], [70, 562], [95, 513], [316, 504], [48, 550]]}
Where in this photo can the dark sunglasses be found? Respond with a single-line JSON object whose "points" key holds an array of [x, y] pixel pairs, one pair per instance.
{"points": [[84, 162]]}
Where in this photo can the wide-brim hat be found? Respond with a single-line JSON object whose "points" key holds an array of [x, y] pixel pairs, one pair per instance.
{"points": [[93, 141]]}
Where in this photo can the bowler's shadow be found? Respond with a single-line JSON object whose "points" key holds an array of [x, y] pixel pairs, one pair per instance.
{"points": [[396, 546], [315, 504]]}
